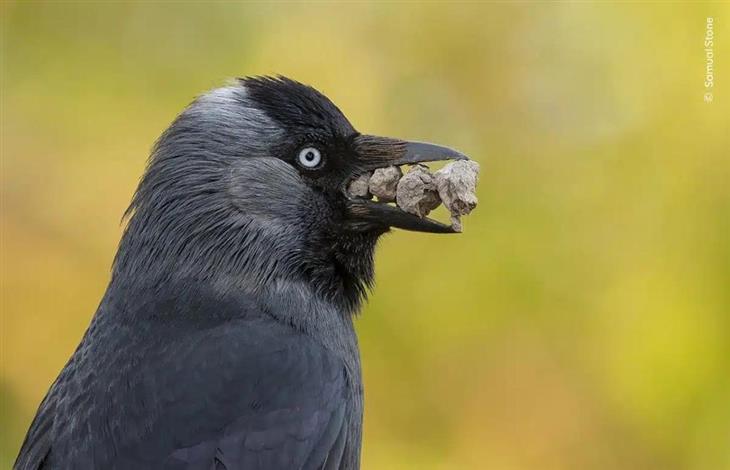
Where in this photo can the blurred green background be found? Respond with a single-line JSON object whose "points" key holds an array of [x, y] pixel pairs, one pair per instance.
{"points": [[581, 321]]}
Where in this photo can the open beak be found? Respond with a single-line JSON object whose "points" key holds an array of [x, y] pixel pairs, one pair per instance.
{"points": [[378, 152]]}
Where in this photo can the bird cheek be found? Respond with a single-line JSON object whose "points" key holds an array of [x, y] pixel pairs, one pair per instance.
{"points": [[267, 188]]}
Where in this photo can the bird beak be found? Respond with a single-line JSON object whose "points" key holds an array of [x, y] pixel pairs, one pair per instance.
{"points": [[378, 152], [423, 152]]}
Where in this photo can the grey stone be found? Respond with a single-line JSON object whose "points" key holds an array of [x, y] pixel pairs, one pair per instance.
{"points": [[416, 192], [456, 184], [359, 186], [384, 182]]}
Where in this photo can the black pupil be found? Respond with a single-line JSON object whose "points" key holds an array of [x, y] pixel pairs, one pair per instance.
{"points": [[309, 156]]}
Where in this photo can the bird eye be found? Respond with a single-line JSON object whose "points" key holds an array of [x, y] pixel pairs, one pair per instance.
{"points": [[309, 157]]}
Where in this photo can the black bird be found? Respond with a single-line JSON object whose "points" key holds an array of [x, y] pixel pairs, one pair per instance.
{"points": [[225, 338]]}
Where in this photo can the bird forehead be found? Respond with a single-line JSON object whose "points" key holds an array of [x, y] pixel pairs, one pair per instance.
{"points": [[296, 106]]}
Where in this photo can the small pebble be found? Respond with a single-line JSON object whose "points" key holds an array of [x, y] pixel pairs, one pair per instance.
{"points": [[359, 186], [416, 192], [384, 183], [456, 184]]}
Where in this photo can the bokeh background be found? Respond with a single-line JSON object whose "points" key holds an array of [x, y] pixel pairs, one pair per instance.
{"points": [[581, 321]]}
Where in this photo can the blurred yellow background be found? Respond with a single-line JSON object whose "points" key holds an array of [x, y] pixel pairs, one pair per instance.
{"points": [[582, 321]]}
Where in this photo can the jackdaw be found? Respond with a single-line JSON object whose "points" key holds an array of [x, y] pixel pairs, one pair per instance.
{"points": [[225, 338]]}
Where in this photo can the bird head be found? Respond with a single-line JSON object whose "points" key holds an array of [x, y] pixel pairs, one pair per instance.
{"points": [[248, 187]]}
